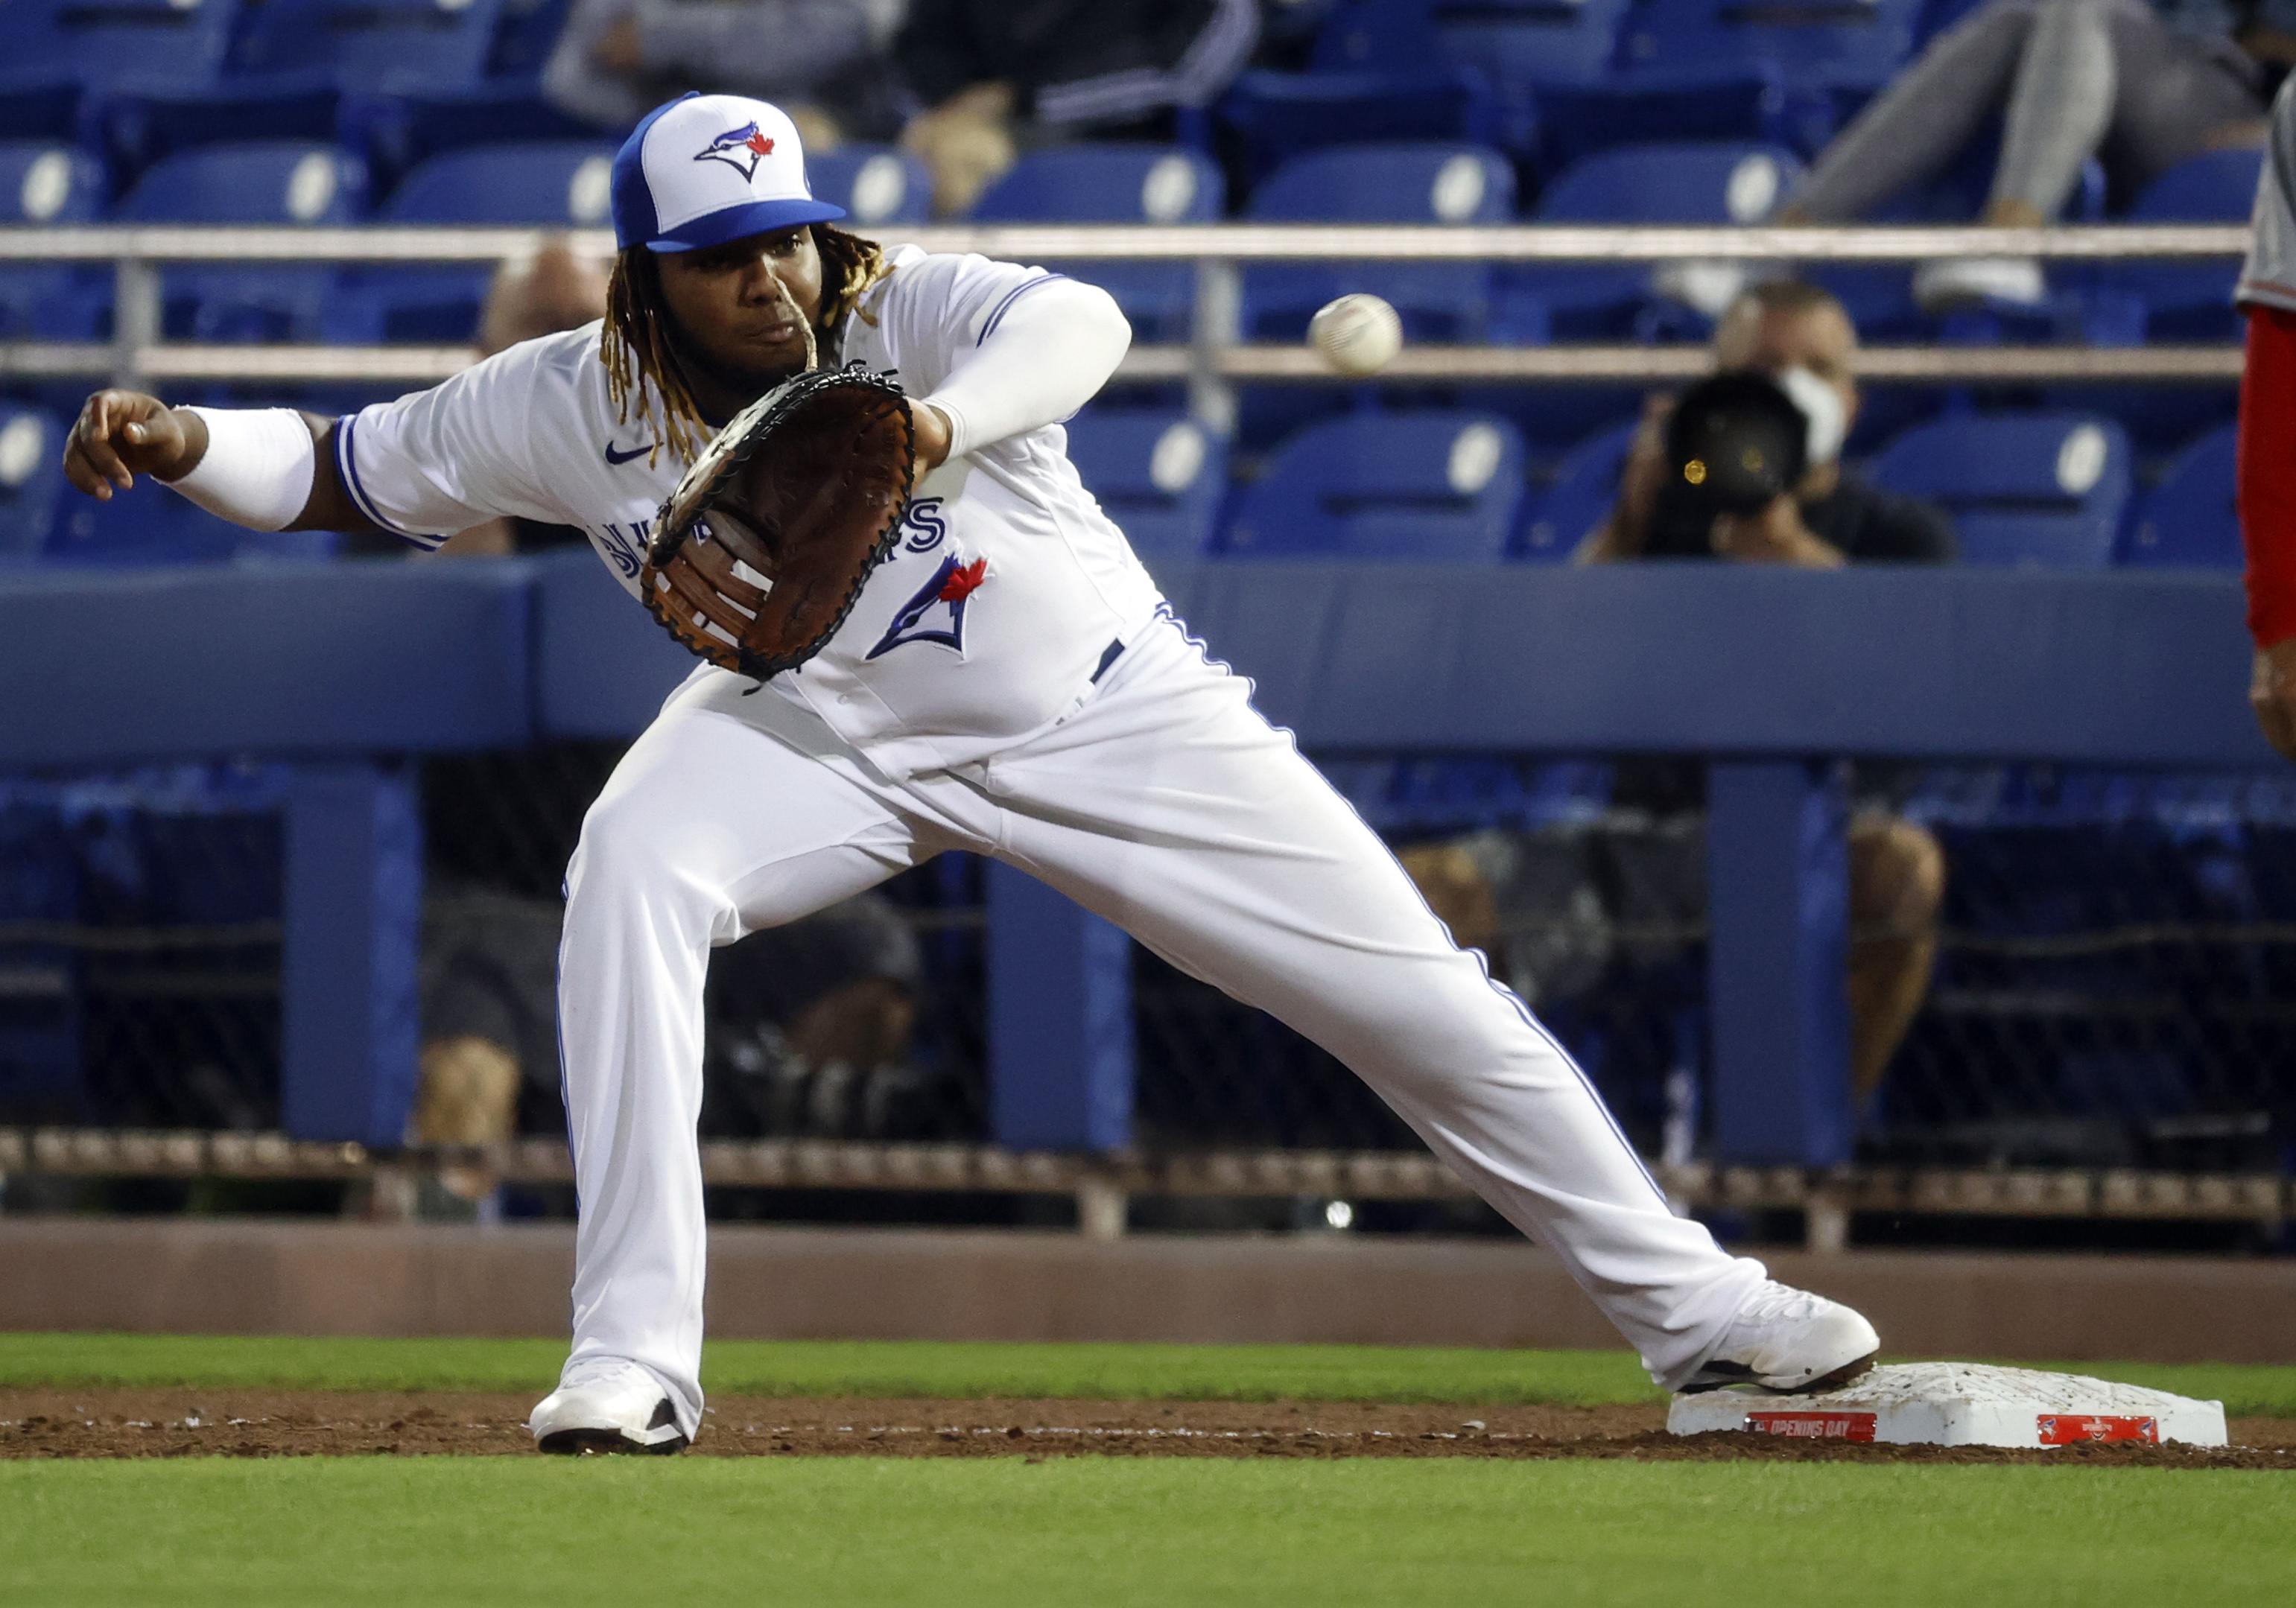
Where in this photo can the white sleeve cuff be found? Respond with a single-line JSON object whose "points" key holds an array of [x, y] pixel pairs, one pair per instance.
{"points": [[258, 467]]}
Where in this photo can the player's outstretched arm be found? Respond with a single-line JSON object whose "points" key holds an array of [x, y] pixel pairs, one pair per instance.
{"points": [[1046, 356], [267, 469]]}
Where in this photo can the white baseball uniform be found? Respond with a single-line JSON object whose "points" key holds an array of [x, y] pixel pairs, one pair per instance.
{"points": [[1010, 683]]}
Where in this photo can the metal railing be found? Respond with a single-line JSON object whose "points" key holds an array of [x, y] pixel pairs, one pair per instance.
{"points": [[1103, 1184], [1215, 357]]}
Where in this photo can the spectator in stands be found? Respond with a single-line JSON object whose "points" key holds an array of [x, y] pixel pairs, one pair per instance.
{"points": [[1897, 870], [993, 76], [822, 61], [1835, 518], [2141, 86]]}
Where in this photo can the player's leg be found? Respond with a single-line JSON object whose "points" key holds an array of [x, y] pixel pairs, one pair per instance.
{"points": [[709, 828], [1168, 805]]}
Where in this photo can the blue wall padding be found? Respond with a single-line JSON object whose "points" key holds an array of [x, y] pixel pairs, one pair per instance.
{"points": [[2142, 668]]}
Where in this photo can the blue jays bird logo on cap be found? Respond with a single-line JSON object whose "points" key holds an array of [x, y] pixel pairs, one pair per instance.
{"points": [[740, 148]]}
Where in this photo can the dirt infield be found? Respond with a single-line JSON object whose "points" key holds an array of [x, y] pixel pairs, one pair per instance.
{"points": [[87, 1423]]}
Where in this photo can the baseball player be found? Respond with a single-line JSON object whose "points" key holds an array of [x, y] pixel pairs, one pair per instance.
{"points": [[2266, 473], [1009, 682]]}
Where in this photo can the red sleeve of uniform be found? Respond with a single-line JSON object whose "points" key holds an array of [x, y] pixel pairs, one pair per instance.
{"points": [[2267, 473]]}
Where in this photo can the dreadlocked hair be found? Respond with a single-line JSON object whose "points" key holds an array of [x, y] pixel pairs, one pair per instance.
{"points": [[646, 373]]}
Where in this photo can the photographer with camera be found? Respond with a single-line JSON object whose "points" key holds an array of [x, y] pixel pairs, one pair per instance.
{"points": [[1797, 337], [1783, 399]]}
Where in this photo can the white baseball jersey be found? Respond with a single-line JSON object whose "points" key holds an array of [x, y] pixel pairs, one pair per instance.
{"points": [[1007, 592]]}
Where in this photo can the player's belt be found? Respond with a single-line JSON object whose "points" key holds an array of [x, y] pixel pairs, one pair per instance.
{"points": [[1115, 652]]}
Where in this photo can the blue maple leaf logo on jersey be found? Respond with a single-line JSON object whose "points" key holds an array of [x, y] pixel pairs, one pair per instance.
{"points": [[740, 148], [936, 614]]}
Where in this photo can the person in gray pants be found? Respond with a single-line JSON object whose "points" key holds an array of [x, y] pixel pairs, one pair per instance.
{"points": [[2140, 86]]}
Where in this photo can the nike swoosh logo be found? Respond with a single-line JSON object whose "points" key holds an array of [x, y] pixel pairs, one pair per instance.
{"points": [[618, 459]]}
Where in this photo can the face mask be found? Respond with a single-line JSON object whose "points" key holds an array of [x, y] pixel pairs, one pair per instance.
{"points": [[1821, 404]]}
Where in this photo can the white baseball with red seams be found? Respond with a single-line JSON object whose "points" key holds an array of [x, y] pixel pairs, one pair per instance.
{"points": [[1009, 684], [1961, 1404]]}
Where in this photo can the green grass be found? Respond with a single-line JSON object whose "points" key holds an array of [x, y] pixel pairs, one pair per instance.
{"points": [[811, 1367], [1112, 1532], [962, 1370]]}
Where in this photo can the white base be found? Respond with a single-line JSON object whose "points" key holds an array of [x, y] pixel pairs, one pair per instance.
{"points": [[1960, 1404]]}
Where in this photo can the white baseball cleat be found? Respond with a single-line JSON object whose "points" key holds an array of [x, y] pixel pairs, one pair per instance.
{"points": [[613, 1407], [1790, 1341]]}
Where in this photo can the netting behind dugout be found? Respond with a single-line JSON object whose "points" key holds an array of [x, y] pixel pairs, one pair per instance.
{"points": [[2117, 982]]}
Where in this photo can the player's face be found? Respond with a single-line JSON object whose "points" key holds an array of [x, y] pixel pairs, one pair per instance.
{"points": [[725, 301]]}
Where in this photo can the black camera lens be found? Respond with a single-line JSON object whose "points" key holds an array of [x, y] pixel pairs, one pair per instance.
{"points": [[1736, 444]]}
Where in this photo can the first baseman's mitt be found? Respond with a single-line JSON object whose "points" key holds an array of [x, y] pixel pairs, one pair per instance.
{"points": [[760, 552]]}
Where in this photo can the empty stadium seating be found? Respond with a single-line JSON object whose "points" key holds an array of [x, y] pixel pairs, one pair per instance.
{"points": [[152, 525], [2190, 520], [44, 183], [1439, 486], [1117, 185], [2185, 301], [280, 182], [1703, 181], [2037, 490], [1160, 475], [874, 184], [563, 183], [1585, 486], [31, 479], [1403, 184]]}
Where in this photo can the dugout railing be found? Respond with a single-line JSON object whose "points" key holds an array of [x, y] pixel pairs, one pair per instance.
{"points": [[2102, 670]]}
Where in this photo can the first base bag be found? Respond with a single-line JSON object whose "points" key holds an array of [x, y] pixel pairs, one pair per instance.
{"points": [[759, 553]]}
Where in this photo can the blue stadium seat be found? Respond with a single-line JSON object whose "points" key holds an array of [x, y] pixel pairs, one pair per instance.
{"points": [[2188, 301], [1584, 488], [2034, 490], [1527, 41], [1440, 485], [1821, 42], [1279, 117], [46, 183], [1117, 185], [31, 478], [1523, 47], [259, 183], [370, 45], [1160, 475], [2190, 520], [565, 182], [1422, 183], [310, 69], [875, 184], [1719, 182], [144, 43], [152, 525], [1785, 72], [398, 133], [525, 34]]}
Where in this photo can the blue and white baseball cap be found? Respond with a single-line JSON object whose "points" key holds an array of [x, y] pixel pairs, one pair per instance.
{"points": [[705, 169]]}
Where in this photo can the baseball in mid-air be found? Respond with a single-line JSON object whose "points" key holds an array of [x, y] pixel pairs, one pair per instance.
{"points": [[1358, 334]]}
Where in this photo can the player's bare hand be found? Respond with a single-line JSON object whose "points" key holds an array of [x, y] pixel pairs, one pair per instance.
{"points": [[2272, 694], [120, 435], [932, 437]]}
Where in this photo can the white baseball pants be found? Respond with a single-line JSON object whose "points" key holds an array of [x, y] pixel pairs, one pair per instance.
{"points": [[1165, 803]]}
